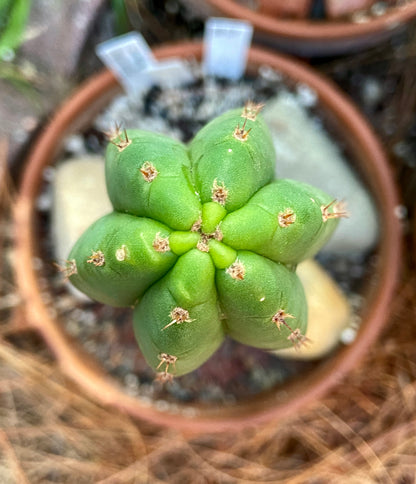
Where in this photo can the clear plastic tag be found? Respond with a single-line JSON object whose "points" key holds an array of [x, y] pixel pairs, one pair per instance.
{"points": [[226, 44], [129, 57], [136, 68]]}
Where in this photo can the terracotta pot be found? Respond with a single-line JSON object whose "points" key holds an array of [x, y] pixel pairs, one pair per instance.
{"points": [[276, 403], [315, 38]]}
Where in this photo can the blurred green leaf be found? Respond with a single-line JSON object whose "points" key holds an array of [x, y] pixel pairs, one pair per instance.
{"points": [[121, 20], [13, 18]]}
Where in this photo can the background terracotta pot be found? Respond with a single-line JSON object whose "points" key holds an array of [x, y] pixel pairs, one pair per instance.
{"points": [[76, 114], [315, 38]]}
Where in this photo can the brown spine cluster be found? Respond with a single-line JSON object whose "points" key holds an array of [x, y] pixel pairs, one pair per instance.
{"points": [[338, 210], [168, 360], [295, 337], [97, 258]]}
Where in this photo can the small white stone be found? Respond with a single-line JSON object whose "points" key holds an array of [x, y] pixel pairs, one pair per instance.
{"points": [[268, 73], [360, 17], [174, 408], [29, 123], [131, 380], [72, 327], [400, 211], [372, 91], [20, 135], [379, 9], [162, 405], [401, 149], [146, 401], [348, 336], [307, 96], [75, 145], [44, 202], [49, 173], [132, 391]]}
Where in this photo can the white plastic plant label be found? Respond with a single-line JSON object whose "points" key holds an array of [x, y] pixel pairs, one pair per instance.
{"points": [[129, 57], [226, 44], [171, 72]]}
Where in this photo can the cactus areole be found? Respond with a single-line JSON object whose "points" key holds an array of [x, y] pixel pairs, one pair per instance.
{"points": [[203, 241]]}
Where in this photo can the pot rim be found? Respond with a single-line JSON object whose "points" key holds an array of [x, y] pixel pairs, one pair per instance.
{"points": [[317, 30], [271, 405]]}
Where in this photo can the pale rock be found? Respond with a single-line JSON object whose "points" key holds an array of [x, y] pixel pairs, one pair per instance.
{"points": [[329, 313], [79, 199], [305, 152]]}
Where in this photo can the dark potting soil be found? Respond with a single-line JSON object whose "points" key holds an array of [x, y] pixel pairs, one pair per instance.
{"points": [[235, 372]]}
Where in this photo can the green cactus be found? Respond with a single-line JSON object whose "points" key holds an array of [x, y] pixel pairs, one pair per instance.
{"points": [[203, 242]]}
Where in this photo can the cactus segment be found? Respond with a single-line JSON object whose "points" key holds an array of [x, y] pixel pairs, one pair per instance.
{"points": [[150, 177], [181, 242], [212, 214], [115, 259], [178, 316], [192, 278], [282, 221], [239, 164], [222, 256], [251, 303]]}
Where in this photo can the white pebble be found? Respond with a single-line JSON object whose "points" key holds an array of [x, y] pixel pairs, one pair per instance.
{"points": [[400, 211], [348, 336], [131, 380], [372, 91], [48, 174], [266, 72], [162, 405], [307, 97], [379, 9], [75, 144], [44, 202]]}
